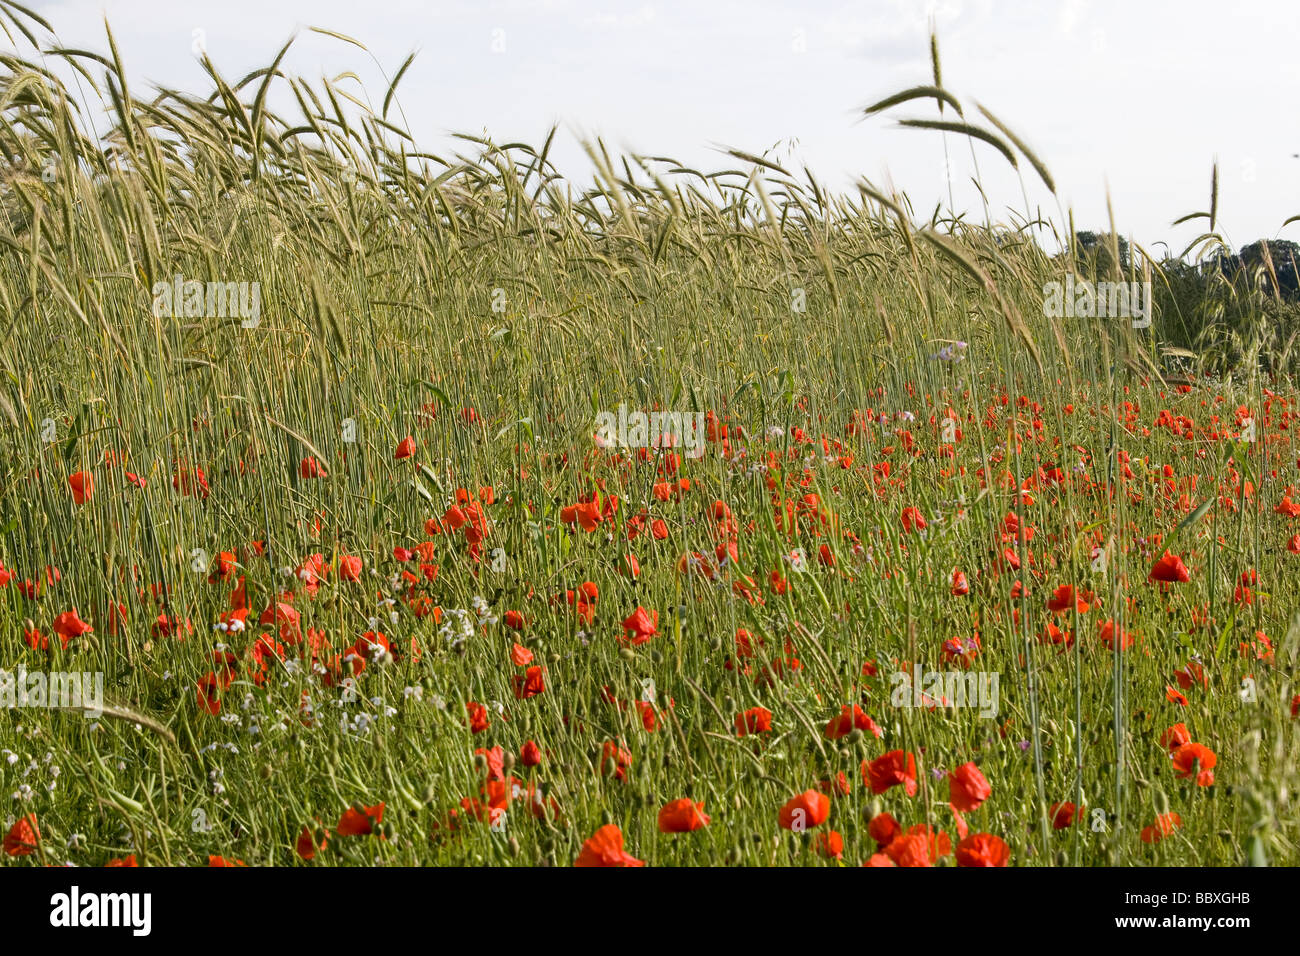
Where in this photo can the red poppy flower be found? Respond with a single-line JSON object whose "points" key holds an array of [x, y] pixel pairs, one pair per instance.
{"points": [[1175, 737], [23, 837], [615, 758], [1165, 825], [640, 626], [68, 625], [82, 484], [1107, 633], [830, 845], [682, 816], [208, 697], [890, 770], [530, 755], [350, 568], [189, 482], [495, 760], [756, 720], [605, 848], [1064, 597], [478, 717], [850, 719], [405, 449], [310, 468], [913, 520], [1063, 814], [808, 809], [282, 613], [884, 829], [307, 846], [360, 820], [531, 683], [839, 785], [967, 788], [918, 846], [982, 849], [1195, 759], [1169, 569]]}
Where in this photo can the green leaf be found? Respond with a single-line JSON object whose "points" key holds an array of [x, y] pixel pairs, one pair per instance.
{"points": [[1190, 520]]}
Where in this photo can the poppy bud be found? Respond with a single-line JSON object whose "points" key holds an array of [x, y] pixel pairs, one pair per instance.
{"points": [[1162, 802], [389, 831], [429, 794], [855, 735], [359, 807]]}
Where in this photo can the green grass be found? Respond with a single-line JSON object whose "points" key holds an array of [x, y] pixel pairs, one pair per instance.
{"points": [[394, 283]]}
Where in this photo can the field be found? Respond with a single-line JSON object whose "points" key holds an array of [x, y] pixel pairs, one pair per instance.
{"points": [[323, 452]]}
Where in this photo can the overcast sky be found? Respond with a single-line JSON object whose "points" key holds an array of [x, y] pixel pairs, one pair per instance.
{"points": [[1138, 95]]}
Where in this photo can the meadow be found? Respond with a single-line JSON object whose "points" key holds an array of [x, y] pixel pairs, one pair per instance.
{"points": [[298, 450]]}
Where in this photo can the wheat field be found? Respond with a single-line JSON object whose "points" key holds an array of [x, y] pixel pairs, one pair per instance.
{"points": [[327, 467]]}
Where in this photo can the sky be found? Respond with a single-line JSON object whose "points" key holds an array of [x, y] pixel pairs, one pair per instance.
{"points": [[1131, 98]]}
